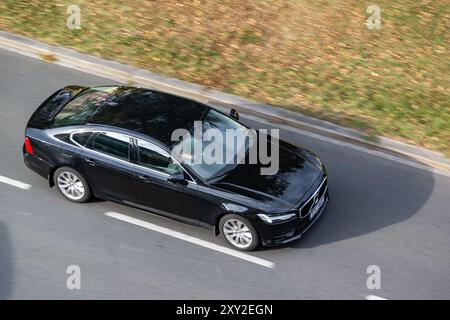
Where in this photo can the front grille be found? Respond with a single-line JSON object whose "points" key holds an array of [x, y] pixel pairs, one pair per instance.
{"points": [[321, 190]]}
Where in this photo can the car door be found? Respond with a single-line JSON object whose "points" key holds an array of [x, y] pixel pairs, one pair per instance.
{"points": [[105, 162], [155, 192]]}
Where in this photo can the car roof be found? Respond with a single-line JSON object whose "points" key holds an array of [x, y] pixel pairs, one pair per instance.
{"points": [[152, 113]]}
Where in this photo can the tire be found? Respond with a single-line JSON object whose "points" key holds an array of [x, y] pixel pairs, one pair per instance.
{"points": [[78, 189], [231, 223]]}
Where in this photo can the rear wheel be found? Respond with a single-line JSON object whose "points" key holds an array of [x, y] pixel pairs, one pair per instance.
{"points": [[239, 232], [72, 185]]}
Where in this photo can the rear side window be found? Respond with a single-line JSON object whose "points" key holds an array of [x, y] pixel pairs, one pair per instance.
{"points": [[64, 137], [155, 158], [81, 137], [113, 144]]}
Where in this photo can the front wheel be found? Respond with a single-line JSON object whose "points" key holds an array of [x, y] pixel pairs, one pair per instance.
{"points": [[72, 185], [239, 232]]}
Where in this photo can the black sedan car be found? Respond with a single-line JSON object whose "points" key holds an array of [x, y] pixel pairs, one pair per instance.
{"points": [[116, 143]]}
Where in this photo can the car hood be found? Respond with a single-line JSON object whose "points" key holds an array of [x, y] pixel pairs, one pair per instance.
{"points": [[298, 170]]}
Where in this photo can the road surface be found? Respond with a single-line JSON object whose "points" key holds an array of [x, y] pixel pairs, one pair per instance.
{"points": [[382, 212]]}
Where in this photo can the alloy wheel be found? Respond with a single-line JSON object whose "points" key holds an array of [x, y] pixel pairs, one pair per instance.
{"points": [[237, 233], [70, 185]]}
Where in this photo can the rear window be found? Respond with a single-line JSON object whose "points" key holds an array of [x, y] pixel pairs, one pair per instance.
{"points": [[51, 106], [78, 111]]}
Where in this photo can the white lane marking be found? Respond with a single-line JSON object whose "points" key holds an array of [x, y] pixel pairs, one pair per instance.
{"points": [[185, 237], [353, 146], [372, 297], [15, 183]]}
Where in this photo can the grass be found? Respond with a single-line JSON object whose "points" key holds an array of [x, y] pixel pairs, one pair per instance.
{"points": [[312, 56]]}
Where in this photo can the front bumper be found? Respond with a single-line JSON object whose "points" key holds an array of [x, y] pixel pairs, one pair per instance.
{"points": [[282, 233]]}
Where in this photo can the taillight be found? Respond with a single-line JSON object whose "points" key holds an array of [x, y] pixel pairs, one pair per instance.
{"points": [[28, 147]]}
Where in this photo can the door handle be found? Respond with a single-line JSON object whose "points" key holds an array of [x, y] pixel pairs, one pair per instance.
{"points": [[145, 178], [91, 162]]}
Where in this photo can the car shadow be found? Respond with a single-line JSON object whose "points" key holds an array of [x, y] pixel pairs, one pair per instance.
{"points": [[6, 263], [367, 192], [366, 199], [95, 200]]}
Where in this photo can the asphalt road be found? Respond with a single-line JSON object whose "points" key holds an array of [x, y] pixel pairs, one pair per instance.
{"points": [[382, 212]]}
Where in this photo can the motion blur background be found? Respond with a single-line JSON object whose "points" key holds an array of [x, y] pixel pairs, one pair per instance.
{"points": [[317, 57]]}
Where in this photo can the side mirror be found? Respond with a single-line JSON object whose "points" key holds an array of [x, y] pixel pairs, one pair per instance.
{"points": [[234, 114], [178, 178]]}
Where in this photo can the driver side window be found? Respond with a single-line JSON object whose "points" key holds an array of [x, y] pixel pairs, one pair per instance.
{"points": [[155, 158]]}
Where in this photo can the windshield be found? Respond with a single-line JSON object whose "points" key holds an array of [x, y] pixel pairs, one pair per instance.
{"points": [[221, 144]]}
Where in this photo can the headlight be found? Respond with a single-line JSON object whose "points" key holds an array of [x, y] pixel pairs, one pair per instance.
{"points": [[274, 218]]}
